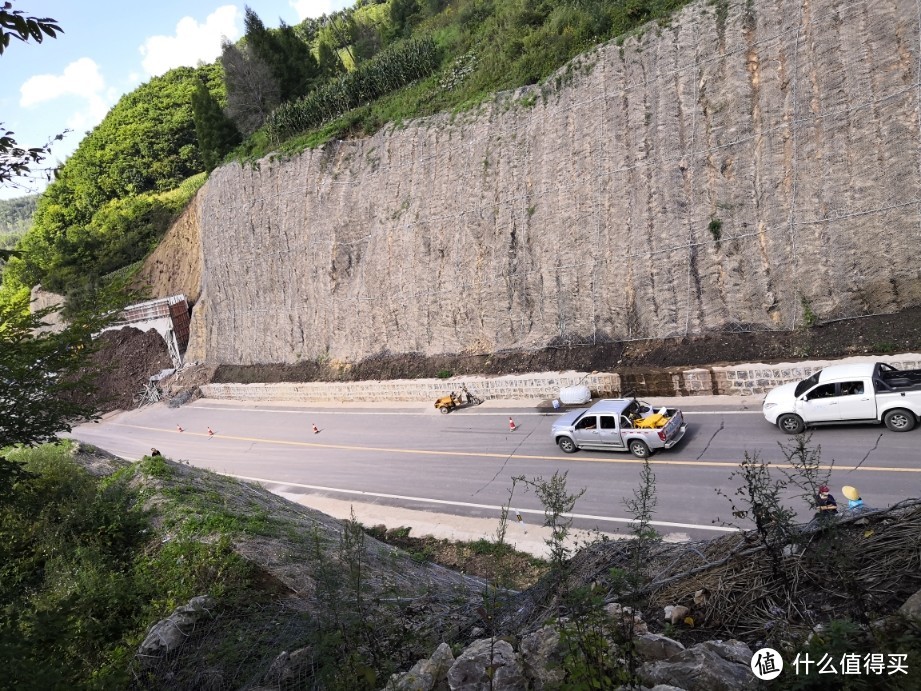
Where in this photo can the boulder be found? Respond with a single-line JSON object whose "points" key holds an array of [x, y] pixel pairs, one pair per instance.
{"points": [[700, 668], [287, 667], [732, 650], [652, 646], [487, 664], [430, 674], [169, 634], [912, 607], [542, 657]]}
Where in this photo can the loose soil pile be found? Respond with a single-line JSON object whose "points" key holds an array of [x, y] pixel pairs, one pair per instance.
{"points": [[129, 357], [125, 361]]}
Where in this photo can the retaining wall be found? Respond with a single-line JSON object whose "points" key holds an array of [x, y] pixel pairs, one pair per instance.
{"points": [[737, 380]]}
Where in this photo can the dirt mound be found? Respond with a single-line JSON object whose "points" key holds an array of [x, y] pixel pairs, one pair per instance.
{"points": [[182, 386], [124, 361]]}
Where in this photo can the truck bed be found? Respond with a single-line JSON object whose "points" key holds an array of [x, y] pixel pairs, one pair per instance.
{"points": [[901, 380]]}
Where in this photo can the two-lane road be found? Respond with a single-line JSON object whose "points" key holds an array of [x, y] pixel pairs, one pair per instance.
{"points": [[463, 463]]}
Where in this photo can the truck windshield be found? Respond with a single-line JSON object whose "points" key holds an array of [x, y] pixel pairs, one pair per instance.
{"points": [[807, 384]]}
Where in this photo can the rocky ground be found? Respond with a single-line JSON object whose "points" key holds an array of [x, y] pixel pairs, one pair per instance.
{"points": [[128, 357]]}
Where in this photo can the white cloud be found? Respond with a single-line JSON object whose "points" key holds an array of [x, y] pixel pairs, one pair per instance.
{"points": [[82, 82], [81, 78], [316, 8], [87, 118], [193, 42]]}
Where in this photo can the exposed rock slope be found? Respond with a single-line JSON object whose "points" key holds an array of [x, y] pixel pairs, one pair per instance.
{"points": [[752, 164]]}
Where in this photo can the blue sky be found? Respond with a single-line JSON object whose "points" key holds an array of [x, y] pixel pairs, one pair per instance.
{"points": [[109, 48]]}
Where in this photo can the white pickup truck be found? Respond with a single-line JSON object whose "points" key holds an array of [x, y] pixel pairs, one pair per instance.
{"points": [[619, 424], [861, 392]]}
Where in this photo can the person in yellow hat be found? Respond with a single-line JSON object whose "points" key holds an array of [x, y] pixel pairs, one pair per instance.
{"points": [[853, 497]]}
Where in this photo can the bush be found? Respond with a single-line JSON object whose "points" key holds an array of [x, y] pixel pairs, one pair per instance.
{"points": [[386, 72], [83, 574]]}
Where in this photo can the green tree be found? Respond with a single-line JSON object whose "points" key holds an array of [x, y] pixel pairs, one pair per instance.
{"points": [[328, 58], [404, 15], [217, 134], [340, 32], [44, 380], [43, 376], [252, 90], [288, 57], [16, 161]]}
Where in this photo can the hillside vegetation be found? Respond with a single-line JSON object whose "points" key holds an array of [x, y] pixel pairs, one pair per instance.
{"points": [[15, 219], [157, 574], [95, 550], [339, 76]]}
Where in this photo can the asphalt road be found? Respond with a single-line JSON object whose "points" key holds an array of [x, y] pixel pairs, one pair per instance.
{"points": [[463, 463]]}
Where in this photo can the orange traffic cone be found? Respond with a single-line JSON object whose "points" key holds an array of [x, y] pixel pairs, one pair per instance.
{"points": [[511, 425], [210, 432], [315, 430], [179, 428]]}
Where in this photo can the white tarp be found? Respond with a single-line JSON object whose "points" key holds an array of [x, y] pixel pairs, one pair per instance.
{"points": [[574, 395]]}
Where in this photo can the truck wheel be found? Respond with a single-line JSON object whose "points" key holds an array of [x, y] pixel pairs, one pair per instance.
{"points": [[444, 410], [567, 445], [791, 424], [899, 420], [639, 449]]}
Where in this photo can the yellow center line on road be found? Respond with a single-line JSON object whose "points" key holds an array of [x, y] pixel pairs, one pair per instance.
{"points": [[485, 454]]}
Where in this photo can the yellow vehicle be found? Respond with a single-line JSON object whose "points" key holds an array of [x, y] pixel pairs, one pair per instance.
{"points": [[448, 403], [456, 399]]}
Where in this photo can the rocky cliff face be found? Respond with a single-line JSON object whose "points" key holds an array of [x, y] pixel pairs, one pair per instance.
{"points": [[751, 165]]}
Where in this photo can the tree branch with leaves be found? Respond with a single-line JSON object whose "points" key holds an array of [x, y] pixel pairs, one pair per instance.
{"points": [[17, 161], [16, 24]]}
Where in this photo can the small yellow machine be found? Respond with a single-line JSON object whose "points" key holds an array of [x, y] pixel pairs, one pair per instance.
{"points": [[456, 399], [448, 403]]}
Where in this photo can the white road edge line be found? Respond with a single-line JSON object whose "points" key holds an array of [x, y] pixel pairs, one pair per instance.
{"points": [[610, 519]]}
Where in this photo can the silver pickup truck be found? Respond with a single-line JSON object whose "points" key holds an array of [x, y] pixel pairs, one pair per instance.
{"points": [[619, 424]]}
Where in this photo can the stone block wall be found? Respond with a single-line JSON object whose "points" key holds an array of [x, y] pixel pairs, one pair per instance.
{"points": [[527, 387], [749, 380]]}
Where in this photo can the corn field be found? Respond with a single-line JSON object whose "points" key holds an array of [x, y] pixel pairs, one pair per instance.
{"points": [[388, 71]]}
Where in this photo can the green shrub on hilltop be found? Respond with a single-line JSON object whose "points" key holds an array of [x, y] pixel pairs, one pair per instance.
{"points": [[121, 232], [105, 209], [386, 72]]}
